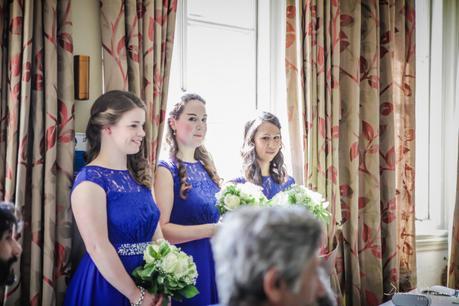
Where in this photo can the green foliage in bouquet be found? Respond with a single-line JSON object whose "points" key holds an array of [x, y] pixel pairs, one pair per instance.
{"points": [[232, 196], [300, 195], [168, 271]]}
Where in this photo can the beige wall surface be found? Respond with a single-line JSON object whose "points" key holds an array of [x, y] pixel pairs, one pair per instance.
{"points": [[87, 41]]}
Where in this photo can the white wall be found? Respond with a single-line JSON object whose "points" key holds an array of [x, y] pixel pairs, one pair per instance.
{"points": [[431, 260], [87, 41]]}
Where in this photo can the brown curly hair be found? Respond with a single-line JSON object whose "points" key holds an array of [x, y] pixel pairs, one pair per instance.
{"points": [[250, 165], [200, 154], [106, 111]]}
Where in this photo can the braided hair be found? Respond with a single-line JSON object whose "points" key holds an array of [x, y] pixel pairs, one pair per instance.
{"points": [[200, 154]]}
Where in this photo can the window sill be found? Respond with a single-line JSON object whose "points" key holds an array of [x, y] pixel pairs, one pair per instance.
{"points": [[434, 241]]}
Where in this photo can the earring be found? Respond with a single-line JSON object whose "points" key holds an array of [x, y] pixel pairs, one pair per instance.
{"points": [[174, 132]]}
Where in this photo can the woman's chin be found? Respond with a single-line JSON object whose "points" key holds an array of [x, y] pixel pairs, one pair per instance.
{"points": [[133, 151]]}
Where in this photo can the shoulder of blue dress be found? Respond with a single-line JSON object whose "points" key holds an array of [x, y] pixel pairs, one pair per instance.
{"points": [[169, 164], [90, 173], [290, 180], [238, 180]]}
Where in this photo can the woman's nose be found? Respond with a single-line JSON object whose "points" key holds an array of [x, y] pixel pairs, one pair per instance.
{"points": [[272, 143], [142, 132]]}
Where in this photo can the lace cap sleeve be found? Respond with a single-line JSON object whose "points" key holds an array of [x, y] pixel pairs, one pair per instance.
{"points": [[90, 174], [169, 165]]}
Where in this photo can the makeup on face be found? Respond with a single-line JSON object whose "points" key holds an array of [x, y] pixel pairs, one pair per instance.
{"points": [[191, 126]]}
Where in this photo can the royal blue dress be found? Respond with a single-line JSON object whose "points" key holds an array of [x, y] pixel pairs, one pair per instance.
{"points": [[132, 217], [270, 187], [198, 208]]}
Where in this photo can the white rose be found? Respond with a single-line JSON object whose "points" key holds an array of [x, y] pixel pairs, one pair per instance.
{"points": [[232, 201], [251, 189], [181, 268], [316, 197], [169, 263], [280, 199]]}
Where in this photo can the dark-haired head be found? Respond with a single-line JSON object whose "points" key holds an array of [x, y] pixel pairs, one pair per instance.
{"points": [[106, 111], [250, 158], [200, 153], [7, 217], [10, 249]]}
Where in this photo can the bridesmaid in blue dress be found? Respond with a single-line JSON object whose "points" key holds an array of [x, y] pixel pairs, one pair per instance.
{"points": [[113, 206], [263, 161], [185, 187]]}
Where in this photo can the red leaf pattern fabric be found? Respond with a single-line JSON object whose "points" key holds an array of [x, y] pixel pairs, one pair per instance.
{"points": [[137, 41], [37, 142], [350, 87]]}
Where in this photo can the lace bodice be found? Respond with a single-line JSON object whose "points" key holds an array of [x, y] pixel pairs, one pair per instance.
{"points": [[270, 187], [132, 215], [199, 205]]}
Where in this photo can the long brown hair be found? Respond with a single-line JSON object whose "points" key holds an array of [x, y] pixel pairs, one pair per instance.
{"points": [[107, 111], [249, 156], [200, 154]]}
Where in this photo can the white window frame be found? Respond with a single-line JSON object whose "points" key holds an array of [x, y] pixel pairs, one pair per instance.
{"points": [[435, 126], [270, 48], [270, 71]]}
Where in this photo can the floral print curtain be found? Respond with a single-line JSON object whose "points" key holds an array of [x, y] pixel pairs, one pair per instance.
{"points": [[37, 141], [137, 41], [453, 262], [350, 75]]}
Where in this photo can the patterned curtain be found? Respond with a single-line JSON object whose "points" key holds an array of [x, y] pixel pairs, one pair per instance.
{"points": [[351, 92], [451, 59], [36, 141], [453, 262], [137, 41]]}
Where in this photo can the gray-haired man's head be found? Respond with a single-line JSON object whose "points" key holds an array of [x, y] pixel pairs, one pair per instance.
{"points": [[268, 256]]}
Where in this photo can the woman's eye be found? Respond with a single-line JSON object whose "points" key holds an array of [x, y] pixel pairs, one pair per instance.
{"points": [[192, 119], [204, 119]]}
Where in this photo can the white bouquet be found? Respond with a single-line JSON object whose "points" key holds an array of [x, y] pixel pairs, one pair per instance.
{"points": [[233, 195], [168, 271], [300, 195]]}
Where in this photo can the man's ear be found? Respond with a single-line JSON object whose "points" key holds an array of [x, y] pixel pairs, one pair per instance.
{"points": [[273, 286]]}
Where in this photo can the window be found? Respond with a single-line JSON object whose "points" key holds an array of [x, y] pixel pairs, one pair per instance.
{"points": [[229, 52], [434, 123]]}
